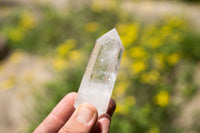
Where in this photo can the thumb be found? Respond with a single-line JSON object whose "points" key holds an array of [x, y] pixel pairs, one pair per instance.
{"points": [[82, 120]]}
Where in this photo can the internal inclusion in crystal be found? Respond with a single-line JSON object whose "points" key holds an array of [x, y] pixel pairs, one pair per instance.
{"points": [[100, 75]]}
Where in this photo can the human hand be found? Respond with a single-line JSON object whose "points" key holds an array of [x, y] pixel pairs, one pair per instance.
{"points": [[65, 119]]}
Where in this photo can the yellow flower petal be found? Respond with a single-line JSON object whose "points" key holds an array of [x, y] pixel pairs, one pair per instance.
{"points": [[173, 58], [27, 21], [138, 66], [162, 98], [137, 52], [64, 48]]}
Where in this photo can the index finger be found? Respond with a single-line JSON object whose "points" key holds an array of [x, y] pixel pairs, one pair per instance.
{"points": [[59, 115]]}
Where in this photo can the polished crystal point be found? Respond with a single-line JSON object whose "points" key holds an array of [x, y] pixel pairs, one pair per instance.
{"points": [[100, 75]]}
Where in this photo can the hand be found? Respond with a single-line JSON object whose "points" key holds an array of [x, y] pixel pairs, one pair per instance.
{"points": [[65, 119]]}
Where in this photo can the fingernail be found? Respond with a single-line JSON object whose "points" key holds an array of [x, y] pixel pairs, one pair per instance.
{"points": [[85, 114]]}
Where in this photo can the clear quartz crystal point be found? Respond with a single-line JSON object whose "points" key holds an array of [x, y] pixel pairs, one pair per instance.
{"points": [[100, 75]]}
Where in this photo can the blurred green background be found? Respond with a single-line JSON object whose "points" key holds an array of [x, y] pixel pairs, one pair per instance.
{"points": [[45, 46]]}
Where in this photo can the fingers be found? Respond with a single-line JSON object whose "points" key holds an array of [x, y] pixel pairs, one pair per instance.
{"points": [[82, 120], [59, 115], [103, 124], [111, 107]]}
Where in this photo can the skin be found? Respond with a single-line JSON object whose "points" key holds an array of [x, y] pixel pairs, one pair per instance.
{"points": [[64, 118]]}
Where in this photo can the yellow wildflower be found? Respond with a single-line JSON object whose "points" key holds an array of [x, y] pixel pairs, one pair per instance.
{"points": [[173, 59], [151, 77], [59, 64], [92, 27], [137, 52], [27, 21], [75, 55], [15, 35], [138, 66], [128, 33], [64, 48], [8, 83], [162, 98], [122, 109]]}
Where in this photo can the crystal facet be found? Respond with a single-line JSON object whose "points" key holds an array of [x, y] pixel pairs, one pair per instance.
{"points": [[100, 75]]}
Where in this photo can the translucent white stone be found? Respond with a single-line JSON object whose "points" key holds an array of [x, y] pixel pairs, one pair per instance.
{"points": [[100, 75]]}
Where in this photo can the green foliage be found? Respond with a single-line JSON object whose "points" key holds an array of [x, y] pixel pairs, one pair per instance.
{"points": [[191, 47]]}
